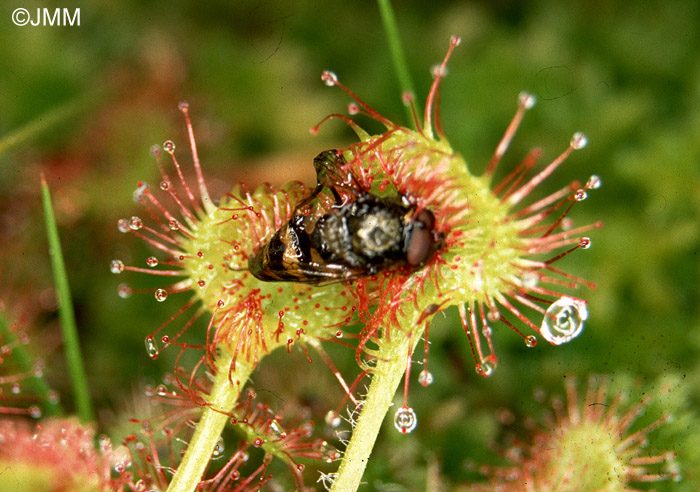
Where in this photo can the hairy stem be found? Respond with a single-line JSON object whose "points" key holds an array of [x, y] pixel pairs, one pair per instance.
{"points": [[222, 399], [387, 376]]}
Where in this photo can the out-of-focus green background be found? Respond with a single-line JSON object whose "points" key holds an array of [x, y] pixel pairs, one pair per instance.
{"points": [[84, 104]]}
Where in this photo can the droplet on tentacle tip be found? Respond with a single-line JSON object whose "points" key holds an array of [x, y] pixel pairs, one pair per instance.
{"points": [[151, 347], [405, 420], [563, 320]]}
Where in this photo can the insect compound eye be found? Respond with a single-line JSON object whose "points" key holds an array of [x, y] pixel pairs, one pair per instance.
{"points": [[421, 245]]}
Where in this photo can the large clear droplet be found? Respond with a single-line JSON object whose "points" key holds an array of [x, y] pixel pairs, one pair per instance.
{"points": [[160, 295], [116, 266], [218, 449], [563, 320], [333, 419], [152, 347], [405, 420], [425, 378]]}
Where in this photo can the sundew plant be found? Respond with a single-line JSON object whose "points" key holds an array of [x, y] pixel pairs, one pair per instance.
{"points": [[432, 371]]}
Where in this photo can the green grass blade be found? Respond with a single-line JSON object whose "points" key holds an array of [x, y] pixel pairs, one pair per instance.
{"points": [[36, 384], [397, 54], [65, 311]]}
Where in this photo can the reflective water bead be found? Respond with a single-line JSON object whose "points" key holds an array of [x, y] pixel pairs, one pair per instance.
{"points": [[123, 225], [530, 341], [594, 182], [152, 347], [116, 266], [218, 449], [169, 146], [425, 378], [138, 195], [124, 291], [405, 420], [585, 243], [135, 223], [183, 105], [328, 453], [34, 412], [152, 261], [580, 195], [563, 320], [160, 295], [486, 368], [333, 419], [579, 140], [173, 224], [527, 100], [329, 78]]}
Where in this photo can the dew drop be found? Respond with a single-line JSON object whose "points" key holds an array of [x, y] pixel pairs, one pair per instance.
{"points": [[258, 441], [135, 223], [123, 225], [486, 368], [329, 78], [152, 261], [169, 146], [53, 396], [526, 100], [328, 453], [425, 378], [160, 295], [594, 182], [353, 109], [579, 141], [530, 341], [161, 390], [139, 192], [405, 420], [155, 151], [173, 224], [124, 291], [493, 315], [183, 106], [151, 347], [455, 40], [277, 429], [580, 195], [116, 266], [333, 419], [165, 185], [563, 320], [218, 449], [585, 243], [15, 388], [438, 71], [34, 412]]}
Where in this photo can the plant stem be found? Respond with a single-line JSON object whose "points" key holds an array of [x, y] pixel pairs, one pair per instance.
{"points": [[387, 376], [397, 54], [222, 399], [69, 330]]}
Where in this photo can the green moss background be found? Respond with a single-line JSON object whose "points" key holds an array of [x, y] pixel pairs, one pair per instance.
{"points": [[84, 104]]}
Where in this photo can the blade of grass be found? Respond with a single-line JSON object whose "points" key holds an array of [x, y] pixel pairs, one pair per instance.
{"points": [[65, 311], [37, 384], [397, 54]]}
